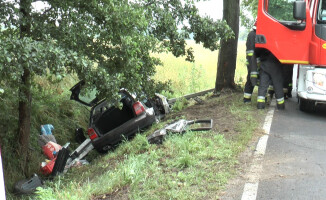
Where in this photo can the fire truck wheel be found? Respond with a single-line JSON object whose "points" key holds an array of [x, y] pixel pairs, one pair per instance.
{"points": [[307, 105]]}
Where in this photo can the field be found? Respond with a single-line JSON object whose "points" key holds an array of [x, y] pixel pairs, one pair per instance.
{"points": [[190, 77]]}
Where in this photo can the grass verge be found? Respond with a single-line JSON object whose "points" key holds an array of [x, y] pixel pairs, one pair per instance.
{"points": [[194, 165]]}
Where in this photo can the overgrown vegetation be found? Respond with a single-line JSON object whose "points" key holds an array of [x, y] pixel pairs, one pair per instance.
{"points": [[51, 105], [195, 162], [195, 165], [108, 44]]}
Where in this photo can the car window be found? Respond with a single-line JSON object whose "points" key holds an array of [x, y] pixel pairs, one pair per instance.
{"points": [[87, 95]]}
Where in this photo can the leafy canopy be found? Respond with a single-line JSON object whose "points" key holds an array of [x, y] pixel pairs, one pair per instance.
{"points": [[108, 43]]}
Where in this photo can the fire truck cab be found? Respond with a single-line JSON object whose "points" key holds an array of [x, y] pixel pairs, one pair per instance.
{"points": [[295, 32]]}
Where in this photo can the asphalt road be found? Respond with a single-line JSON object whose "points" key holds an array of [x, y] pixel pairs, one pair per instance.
{"points": [[294, 165]]}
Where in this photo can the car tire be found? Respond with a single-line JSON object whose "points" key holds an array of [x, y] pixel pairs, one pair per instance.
{"points": [[104, 149]]}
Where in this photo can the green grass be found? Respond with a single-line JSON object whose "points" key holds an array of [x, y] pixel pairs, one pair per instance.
{"points": [[195, 165], [51, 105]]}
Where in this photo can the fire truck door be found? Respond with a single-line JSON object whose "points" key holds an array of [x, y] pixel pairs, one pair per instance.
{"points": [[279, 32]]}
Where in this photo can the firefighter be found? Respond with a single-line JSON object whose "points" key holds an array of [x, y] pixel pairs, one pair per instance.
{"points": [[252, 66], [270, 71]]}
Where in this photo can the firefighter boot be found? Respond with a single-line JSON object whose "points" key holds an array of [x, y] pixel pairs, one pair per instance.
{"points": [[247, 97], [280, 103], [260, 105], [246, 100]]}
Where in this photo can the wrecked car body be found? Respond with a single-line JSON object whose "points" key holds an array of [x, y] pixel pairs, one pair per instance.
{"points": [[109, 125]]}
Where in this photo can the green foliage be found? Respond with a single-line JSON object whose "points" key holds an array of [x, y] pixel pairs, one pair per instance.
{"points": [[101, 41], [180, 104], [248, 13], [51, 105], [108, 43]]}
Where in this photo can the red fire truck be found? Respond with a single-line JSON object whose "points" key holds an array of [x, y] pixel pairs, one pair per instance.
{"points": [[295, 32]]}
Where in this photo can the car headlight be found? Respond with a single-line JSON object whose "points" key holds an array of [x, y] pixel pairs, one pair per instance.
{"points": [[319, 80]]}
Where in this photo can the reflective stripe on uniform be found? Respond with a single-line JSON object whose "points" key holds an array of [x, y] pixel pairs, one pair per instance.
{"points": [[280, 100], [254, 74], [261, 99], [247, 95], [290, 84], [250, 52], [270, 87]]}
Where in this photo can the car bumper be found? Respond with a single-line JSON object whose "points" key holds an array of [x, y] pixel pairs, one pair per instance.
{"points": [[127, 129]]}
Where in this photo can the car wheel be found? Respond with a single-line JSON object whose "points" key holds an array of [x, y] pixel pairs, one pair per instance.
{"points": [[104, 149]]}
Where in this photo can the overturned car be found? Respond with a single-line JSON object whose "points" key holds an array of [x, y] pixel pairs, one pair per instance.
{"points": [[109, 125]]}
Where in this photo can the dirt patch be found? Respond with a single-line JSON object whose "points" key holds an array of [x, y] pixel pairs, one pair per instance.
{"points": [[215, 108], [224, 122], [121, 193]]}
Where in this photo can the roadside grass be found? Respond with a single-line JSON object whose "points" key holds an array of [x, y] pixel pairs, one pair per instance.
{"points": [[193, 165], [51, 105]]}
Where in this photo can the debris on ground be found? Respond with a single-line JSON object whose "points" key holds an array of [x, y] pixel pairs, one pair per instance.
{"points": [[60, 160], [47, 129], [179, 126], [51, 149], [28, 186]]}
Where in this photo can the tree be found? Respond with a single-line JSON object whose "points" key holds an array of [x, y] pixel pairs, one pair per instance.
{"points": [[107, 43], [228, 53]]}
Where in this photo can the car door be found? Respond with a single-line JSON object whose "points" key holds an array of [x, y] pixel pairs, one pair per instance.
{"points": [[81, 95], [320, 32]]}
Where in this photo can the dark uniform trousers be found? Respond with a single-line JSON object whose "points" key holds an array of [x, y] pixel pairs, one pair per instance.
{"points": [[271, 71], [287, 75]]}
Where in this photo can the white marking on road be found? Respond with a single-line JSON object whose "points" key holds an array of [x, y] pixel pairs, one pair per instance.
{"points": [[251, 187], [261, 146], [250, 191]]}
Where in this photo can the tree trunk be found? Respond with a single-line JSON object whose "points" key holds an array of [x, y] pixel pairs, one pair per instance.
{"points": [[25, 97], [227, 57]]}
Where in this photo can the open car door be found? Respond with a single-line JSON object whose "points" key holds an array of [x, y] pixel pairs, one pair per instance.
{"points": [[282, 31], [79, 94]]}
